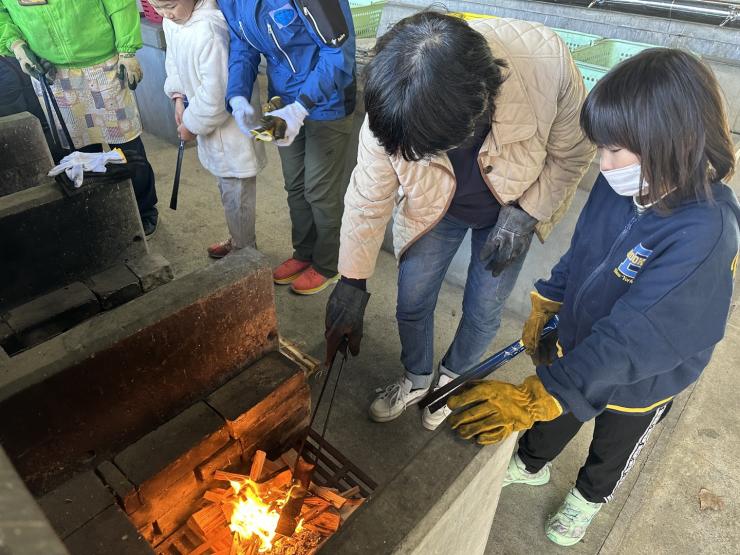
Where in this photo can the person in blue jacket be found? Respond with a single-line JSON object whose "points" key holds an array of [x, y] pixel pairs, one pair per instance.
{"points": [[309, 46], [642, 294]]}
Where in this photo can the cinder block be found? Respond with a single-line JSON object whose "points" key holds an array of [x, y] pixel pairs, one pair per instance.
{"points": [[115, 286], [110, 533], [51, 314], [76, 502], [24, 152], [152, 270]]}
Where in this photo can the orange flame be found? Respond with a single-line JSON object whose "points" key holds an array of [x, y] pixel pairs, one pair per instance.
{"points": [[253, 517]]}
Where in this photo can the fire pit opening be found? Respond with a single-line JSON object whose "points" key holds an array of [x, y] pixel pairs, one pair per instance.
{"points": [[240, 515]]}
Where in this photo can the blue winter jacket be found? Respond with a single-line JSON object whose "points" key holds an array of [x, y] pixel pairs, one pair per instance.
{"points": [[645, 300], [309, 46]]}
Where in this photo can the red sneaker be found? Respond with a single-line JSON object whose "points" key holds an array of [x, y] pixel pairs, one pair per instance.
{"points": [[289, 271], [219, 250], [310, 282]]}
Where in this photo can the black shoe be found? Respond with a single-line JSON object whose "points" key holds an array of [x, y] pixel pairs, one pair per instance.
{"points": [[150, 224]]}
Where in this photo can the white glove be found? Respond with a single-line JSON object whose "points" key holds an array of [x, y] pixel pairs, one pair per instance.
{"points": [[244, 114], [26, 58], [75, 164], [293, 115]]}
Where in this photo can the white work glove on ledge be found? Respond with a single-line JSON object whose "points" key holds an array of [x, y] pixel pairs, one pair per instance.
{"points": [[75, 164], [244, 114], [293, 115]]}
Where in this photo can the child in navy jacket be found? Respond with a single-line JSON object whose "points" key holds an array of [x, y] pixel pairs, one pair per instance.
{"points": [[643, 293]]}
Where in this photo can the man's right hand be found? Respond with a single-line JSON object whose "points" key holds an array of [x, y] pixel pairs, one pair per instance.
{"points": [[29, 62], [244, 114], [345, 313], [542, 310]]}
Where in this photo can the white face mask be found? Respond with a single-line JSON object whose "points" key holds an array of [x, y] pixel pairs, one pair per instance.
{"points": [[625, 181]]}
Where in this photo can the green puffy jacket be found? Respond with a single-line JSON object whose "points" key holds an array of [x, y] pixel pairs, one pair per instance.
{"points": [[71, 33]]}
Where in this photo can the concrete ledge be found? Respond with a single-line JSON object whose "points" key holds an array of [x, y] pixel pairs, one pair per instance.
{"points": [[50, 240], [443, 502]]}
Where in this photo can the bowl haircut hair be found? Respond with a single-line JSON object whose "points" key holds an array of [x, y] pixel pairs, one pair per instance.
{"points": [[431, 79], [665, 106]]}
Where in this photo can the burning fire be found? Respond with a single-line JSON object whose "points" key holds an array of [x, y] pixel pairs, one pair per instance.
{"points": [[253, 517]]}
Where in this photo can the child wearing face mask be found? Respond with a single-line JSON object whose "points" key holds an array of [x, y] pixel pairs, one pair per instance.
{"points": [[197, 58], [642, 294]]}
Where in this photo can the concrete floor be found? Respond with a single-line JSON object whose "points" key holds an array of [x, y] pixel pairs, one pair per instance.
{"points": [[656, 510]]}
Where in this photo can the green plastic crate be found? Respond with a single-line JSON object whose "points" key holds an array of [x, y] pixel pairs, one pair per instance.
{"points": [[591, 74], [366, 18], [576, 40], [609, 52]]}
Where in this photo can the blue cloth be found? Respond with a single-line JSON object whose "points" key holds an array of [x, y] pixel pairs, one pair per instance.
{"points": [[645, 300], [421, 271], [299, 65]]}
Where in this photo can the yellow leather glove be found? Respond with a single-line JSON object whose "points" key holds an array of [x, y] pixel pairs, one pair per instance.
{"points": [[542, 310], [500, 409]]}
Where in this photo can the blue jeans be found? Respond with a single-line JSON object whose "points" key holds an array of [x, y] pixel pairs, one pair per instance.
{"points": [[421, 271]]}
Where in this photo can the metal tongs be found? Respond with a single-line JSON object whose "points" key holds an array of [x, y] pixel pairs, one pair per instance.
{"points": [[437, 399], [303, 470]]}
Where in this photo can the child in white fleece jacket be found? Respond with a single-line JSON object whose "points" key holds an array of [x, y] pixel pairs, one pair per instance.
{"points": [[196, 63]]}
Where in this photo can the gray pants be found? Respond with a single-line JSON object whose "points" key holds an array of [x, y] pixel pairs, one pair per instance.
{"points": [[315, 178], [239, 197]]}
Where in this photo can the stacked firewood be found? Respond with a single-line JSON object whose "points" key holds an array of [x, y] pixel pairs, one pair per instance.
{"points": [[208, 529]]}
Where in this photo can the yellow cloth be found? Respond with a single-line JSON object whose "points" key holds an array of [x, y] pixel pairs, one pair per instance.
{"points": [[500, 409], [542, 310]]}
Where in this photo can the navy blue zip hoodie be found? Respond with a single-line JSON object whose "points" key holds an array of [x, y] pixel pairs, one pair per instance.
{"points": [[645, 300]]}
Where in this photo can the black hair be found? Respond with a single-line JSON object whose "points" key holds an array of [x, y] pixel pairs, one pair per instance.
{"points": [[664, 105], [431, 80]]}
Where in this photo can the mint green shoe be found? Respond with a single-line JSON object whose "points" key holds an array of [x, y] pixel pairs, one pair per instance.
{"points": [[568, 526], [517, 473]]}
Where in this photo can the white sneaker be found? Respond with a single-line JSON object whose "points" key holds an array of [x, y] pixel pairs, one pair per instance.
{"points": [[516, 473], [431, 420], [394, 399]]}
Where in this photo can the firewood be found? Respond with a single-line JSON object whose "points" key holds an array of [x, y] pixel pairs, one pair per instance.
{"points": [[201, 550], [289, 458], [206, 520], [311, 514], [314, 500], [320, 529], [330, 495], [258, 463], [282, 479], [218, 495], [351, 492], [328, 520], [349, 508], [229, 476]]}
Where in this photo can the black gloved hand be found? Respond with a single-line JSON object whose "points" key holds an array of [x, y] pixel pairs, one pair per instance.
{"points": [[345, 312], [546, 350], [508, 240]]}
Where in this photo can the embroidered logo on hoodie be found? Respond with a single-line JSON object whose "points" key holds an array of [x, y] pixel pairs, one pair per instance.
{"points": [[629, 268]]}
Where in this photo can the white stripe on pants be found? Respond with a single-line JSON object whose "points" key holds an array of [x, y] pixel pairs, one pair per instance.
{"points": [[239, 197]]}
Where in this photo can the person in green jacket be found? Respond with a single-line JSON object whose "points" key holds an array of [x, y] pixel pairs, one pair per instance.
{"points": [[86, 50]]}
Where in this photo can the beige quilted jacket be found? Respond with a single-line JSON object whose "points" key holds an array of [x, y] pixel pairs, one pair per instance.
{"points": [[535, 153]]}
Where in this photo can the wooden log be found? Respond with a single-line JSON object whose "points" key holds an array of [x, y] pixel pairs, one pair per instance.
{"points": [[201, 549], [289, 458], [328, 520], [330, 495], [258, 463], [207, 520], [314, 500], [229, 476], [218, 495], [310, 364], [313, 513], [351, 492]]}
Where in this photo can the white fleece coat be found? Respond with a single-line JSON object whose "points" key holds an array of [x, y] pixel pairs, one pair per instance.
{"points": [[197, 66]]}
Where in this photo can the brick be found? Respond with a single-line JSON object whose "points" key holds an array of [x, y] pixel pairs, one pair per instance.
{"points": [[152, 270], [24, 152], [53, 313], [76, 502], [110, 533], [115, 286], [121, 486]]}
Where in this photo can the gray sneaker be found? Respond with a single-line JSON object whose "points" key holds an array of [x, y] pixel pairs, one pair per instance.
{"points": [[517, 473], [393, 400]]}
